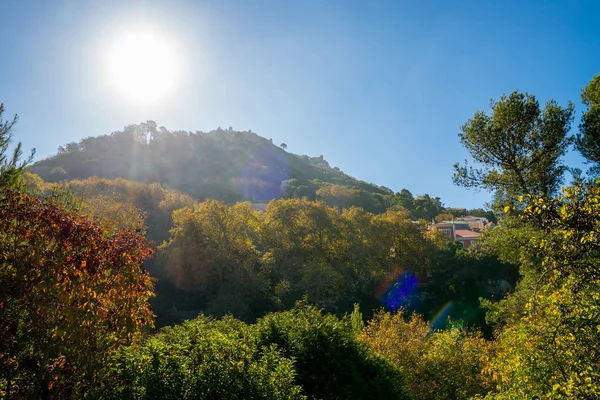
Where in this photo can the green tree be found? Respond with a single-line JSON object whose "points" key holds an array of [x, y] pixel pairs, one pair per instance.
{"points": [[301, 237], [519, 147], [426, 207], [213, 250], [330, 362], [11, 166], [588, 139], [338, 196], [465, 277], [513, 243], [404, 199], [200, 359], [155, 202]]}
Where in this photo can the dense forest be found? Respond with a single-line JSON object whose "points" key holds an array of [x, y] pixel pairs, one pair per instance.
{"points": [[217, 258], [150, 264]]}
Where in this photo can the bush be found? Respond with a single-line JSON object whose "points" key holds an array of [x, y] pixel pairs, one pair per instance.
{"points": [[439, 364], [201, 359], [70, 295], [330, 362]]}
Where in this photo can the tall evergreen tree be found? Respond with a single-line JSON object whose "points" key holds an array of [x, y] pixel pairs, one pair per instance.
{"points": [[588, 139], [11, 167], [519, 147]]}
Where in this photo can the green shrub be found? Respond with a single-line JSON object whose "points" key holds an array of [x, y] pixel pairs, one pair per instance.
{"points": [[330, 362], [201, 359]]}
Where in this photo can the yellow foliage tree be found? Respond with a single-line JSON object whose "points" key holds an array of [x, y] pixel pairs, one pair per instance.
{"points": [[437, 364], [549, 349]]}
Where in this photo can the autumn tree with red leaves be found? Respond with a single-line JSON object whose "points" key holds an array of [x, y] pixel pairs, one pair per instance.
{"points": [[70, 294]]}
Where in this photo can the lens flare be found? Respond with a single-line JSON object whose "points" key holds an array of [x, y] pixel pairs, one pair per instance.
{"points": [[397, 289], [439, 320], [261, 179]]}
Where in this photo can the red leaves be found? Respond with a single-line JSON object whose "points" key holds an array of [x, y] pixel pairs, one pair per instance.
{"points": [[65, 279]]}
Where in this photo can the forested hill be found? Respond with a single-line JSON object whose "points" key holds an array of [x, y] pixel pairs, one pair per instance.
{"points": [[222, 164]]}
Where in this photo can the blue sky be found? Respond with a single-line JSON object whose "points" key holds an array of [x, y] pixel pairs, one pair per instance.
{"points": [[379, 88]]}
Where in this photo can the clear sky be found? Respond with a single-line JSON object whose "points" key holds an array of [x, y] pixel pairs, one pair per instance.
{"points": [[379, 88]]}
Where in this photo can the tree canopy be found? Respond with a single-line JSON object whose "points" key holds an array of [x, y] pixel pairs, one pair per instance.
{"points": [[70, 294], [588, 139], [517, 147]]}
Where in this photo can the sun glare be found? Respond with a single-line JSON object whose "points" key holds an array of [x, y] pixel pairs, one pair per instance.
{"points": [[142, 67]]}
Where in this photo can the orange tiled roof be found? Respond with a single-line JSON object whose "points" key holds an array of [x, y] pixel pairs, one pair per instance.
{"points": [[463, 233]]}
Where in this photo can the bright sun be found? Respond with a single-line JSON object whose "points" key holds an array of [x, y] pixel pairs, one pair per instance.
{"points": [[142, 67]]}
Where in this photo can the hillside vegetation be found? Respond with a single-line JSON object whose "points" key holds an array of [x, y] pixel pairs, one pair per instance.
{"points": [[306, 299], [224, 165]]}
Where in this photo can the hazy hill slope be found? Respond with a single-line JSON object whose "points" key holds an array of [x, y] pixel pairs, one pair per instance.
{"points": [[221, 164], [118, 201]]}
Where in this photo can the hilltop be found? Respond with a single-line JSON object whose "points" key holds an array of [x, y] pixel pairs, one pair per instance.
{"points": [[221, 164]]}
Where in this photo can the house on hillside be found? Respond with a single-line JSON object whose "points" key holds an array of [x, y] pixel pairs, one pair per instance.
{"points": [[467, 237], [459, 231], [475, 223]]}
